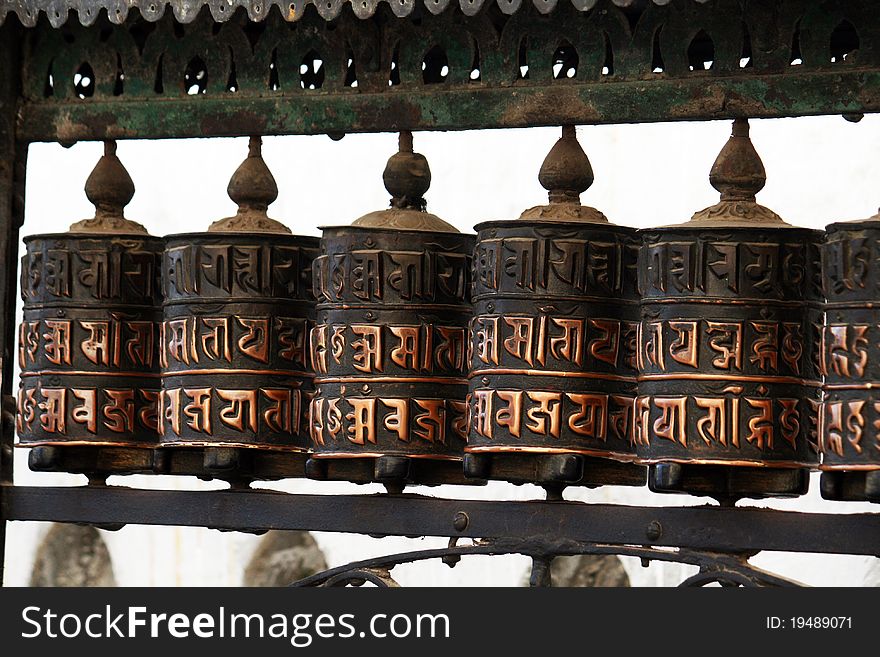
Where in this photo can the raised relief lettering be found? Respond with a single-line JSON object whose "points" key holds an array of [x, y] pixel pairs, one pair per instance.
{"points": [[590, 418], [672, 420], [139, 347], [86, 412], [520, 343], [368, 349], [119, 410], [57, 337], [568, 346], [486, 339], [765, 347], [510, 416], [406, 353], [761, 425], [149, 412], [397, 420], [431, 423], [241, 414], [607, 345], [53, 420], [198, 411], [545, 418], [362, 429], [215, 341], [279, 413], [684, 348], [255, 341], [318, 340], [366, 274], [726, 341], [337, 343], [790, 421]]}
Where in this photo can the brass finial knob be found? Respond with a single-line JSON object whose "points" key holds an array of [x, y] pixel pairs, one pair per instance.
{"points": [[407, 177], [565, 173], [253, 188], [109, 188], [738, 174]]}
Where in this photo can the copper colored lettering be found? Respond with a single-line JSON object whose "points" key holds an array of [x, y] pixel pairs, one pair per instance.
{"points": [[119, 411], [241, 414], [398, 419], [363, 421], [510, 415], [55, 407], [198, 411], [57, 339], [590, 418], [85, 413], [546, 416], [367, 350]]}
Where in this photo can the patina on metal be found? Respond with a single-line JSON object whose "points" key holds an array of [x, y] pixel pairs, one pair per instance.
{"points": [[233, 346], [729, 367], [850, 358], [88, 340], [436, 65], [552, 379], [390, 341]]}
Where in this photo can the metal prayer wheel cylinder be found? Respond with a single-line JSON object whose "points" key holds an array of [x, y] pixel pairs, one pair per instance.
{"points": [[849, 437], [389, 346], [728, 346], [88, 340], [553, 339], [237, 310]]}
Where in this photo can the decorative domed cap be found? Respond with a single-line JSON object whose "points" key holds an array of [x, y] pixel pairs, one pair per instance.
{"points": [[738, 174], [565, 173], [252, 187], [109, 188], [407, 177]]}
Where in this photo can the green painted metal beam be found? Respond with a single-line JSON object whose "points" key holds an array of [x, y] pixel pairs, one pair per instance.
{"points": [[700, 97]]}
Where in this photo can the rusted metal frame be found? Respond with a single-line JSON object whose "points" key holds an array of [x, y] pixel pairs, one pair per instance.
{"points": [[717, 529], [462, 108], [13, 157], [713, 566]]}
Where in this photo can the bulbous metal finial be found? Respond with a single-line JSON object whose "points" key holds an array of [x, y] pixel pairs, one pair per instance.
{"points": [[407, 177], [565, 173], [252, 187], [738, 174], [109, 188]]}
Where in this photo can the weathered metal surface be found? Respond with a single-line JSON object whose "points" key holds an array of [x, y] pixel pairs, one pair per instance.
{"points": [[88, 339], [553, 337], [13, 156], [449, 71], [185, 11], [850, 408], [237, 310], [548, 526], [389, 344], [730, 316]]}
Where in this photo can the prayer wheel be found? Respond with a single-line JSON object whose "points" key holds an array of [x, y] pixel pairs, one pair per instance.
{"points": [[88, 340], [850, 427], [389, 345], [237, 310], [729, 373], [553, 339]]}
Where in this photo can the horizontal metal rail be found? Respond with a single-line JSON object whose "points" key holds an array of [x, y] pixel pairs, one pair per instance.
{"points": [[457, 108], [723, 529]]}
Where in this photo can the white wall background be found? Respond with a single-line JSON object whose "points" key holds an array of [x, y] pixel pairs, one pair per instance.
{"points": [[819, 170]]}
